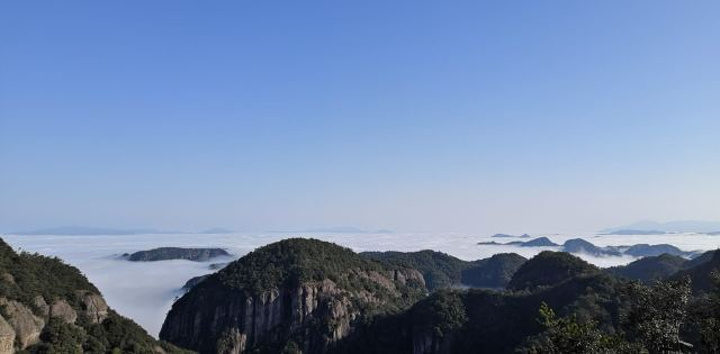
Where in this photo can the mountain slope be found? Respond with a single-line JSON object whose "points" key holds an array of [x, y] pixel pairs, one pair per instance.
{"points": [[441, 270], [494, 272], [49, 306], [492, 322], [700, 274], [296, 294], [650, 268]]}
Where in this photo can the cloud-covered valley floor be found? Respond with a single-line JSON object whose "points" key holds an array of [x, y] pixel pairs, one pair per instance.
{"points": [[144, 291]]}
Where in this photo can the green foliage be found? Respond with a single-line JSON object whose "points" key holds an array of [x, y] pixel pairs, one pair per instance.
{"points": [[61, 338], [699, 275], [291, 348], [568, 335], [120, 334], [33, 275], [444, 312], [656, 314], [292, 262], [649, 269], [706, 318], [493, 272], [441, 270]]}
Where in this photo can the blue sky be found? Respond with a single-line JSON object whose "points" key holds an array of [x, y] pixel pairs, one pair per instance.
{"points": [[472, 116]]}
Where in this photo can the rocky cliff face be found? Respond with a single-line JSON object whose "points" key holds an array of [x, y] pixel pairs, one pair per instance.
{"points": [[301, 310], [25, 324], [7, 337], [47, 306]]}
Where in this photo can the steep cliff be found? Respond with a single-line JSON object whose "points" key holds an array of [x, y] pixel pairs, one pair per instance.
{"points": [[296, 295], [47, 306]]}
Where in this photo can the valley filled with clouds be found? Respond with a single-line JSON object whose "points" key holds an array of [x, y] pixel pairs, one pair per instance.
{"points": [[145, 291]]}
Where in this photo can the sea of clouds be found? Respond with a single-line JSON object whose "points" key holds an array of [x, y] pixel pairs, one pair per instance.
{"points": [[145, 291]]}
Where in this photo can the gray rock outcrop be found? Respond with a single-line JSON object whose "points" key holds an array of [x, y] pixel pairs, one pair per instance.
{"points": [[26, 325], [95, 307], [7, 337], [62, 310]]}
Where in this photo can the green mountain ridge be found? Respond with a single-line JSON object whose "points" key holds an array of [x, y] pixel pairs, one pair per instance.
{"points": [[441, 270]]}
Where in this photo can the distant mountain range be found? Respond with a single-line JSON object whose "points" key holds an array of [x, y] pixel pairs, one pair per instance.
{"points": [[578, 245], [337, 230], [644, 227], [510, 236], [88, 231], [637, 232]]}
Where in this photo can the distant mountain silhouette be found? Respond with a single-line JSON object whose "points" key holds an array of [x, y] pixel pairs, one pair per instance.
{"points": [[217, 230], [510, 236], [539, 242], [106, 231], [645, 250], [337, 230], [636, 232], [578, 245], [672, 226], [84, 231]]}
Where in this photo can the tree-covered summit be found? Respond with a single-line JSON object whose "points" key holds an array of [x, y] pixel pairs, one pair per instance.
{"points": [[549, 268], [294, 261]]}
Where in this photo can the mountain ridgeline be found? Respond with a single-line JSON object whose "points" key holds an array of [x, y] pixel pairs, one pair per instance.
{"points": [[47, 306], [308, 296], [654, 268], [441, 270]]}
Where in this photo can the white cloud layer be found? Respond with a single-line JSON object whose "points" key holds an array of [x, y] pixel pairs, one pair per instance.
{"points": [[145, 291]]}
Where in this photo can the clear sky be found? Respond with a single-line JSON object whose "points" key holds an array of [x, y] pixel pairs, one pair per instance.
{"points": [[466, 116]]}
